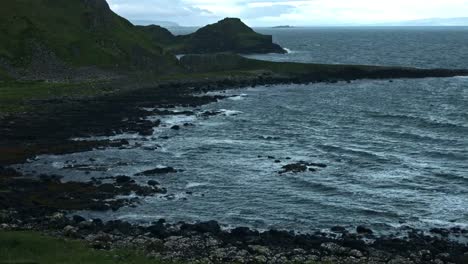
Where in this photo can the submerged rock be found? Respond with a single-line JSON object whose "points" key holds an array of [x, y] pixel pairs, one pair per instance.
{"points": [[164, 170], [301, 166]]}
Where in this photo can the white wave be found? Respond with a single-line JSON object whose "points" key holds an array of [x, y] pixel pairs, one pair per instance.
{"points": [[288, 50], [195, 184], [111, 138], [238, 97], [148, 109], [226, 112], [179, 119]]}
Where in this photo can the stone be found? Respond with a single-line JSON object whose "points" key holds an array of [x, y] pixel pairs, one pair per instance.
{"points": [[70, 231], [153, 183], [364, 230], [162, 170], [78, 219]]}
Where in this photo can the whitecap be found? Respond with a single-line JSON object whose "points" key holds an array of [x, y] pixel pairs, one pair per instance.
{"points": [[238, 97], [179, 119], [111, 138], [195, 184], [226, 112]]}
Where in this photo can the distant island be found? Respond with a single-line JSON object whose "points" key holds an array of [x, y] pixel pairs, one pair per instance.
{"points": [[166, 24], [285, 26]]}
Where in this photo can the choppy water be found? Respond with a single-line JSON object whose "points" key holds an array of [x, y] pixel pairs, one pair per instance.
{"points": [[425, 47], [397, 154]]}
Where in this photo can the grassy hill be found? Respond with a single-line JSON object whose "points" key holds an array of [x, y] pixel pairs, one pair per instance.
{"points": [[76, 32], [227, 35]]}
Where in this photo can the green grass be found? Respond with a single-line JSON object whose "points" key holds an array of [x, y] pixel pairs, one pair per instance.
{"points": [[16, 96], [32, 247]]}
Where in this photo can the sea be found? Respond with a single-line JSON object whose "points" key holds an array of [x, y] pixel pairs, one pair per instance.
{"points": [[396, 151]]}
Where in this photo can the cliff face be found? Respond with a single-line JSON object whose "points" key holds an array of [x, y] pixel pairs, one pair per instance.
{"points": [[71, 34], [228, 35]]}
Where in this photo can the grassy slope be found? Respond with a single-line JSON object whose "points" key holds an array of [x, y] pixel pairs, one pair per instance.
{"points": [[80, 32], [30, 247], [15, 96]]}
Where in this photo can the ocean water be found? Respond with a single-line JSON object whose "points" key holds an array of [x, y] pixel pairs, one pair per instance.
{"points": [[425, 47], [396, 152]]}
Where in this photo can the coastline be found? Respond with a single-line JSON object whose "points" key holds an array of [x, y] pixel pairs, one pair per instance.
{"points": [[174, 242]]}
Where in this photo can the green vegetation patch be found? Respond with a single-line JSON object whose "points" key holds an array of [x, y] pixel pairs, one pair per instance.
{"points": [[24, 96], [31, 247]]}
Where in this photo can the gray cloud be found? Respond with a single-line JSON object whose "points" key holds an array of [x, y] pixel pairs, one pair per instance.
{"points": [[162, 10], [267, 11]]}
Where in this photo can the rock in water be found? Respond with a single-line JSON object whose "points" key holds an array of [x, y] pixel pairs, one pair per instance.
{"points": [[163, 170]]}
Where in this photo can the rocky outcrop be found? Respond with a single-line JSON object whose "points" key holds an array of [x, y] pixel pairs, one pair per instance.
{"points": [[227, 35]]}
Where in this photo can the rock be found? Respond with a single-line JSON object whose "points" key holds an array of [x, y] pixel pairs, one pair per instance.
{"points": [[86, 225], [260, 259], [78, 219], [204, 227], [356, 253], [57, 216], [158, 229], [338, 229], [294, 168], [70, 231], [400, 260], [123, 179], [440, 231], [364, 230], [301, 166], [334, 248], [262, 250], [153, 183], [320, 165], [176, 127], [162, 170]]}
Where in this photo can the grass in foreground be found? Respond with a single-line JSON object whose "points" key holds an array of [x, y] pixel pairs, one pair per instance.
{"points": [[18, 96], [31, 247]]}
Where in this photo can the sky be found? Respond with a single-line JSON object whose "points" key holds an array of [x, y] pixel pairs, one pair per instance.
{"points": [[293, 12]]}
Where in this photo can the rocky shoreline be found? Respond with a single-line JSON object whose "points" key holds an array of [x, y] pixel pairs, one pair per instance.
{"points": [[42, 203], [207, 242]]}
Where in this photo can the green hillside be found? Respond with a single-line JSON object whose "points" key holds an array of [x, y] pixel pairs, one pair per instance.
{"points": [[78, 32]]}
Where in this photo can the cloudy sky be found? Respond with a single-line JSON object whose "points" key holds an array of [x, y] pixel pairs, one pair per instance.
{"points": [[293, 12]]}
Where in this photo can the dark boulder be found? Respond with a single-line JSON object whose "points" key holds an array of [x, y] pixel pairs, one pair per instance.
{"points": [[153, 183], [364, 230], [204, 227], [123, 179], [78, 219], [294, 168]]}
